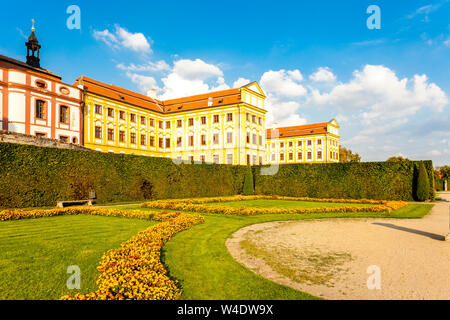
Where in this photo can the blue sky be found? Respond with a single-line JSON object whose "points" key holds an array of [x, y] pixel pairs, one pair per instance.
{"points": [[316, 60]]}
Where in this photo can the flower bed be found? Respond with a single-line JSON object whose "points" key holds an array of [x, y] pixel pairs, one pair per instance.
{"points": [[134, 270], [197, 205]]}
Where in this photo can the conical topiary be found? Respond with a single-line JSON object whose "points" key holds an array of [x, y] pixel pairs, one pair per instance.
{"points": [[423, 184], [248, 183]]}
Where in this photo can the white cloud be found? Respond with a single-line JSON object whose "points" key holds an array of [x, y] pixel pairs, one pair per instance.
{"points": [[147, 67], [144, 82], [121, 38], [196, 69], [240, 82], [381, 95], [191, 77], [323, 75], [283, 83], [434, 153]]}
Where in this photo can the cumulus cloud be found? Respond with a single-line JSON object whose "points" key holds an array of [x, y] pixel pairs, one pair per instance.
{"points": [[240, 82], [323, 75], [283, 83], [121, 38], [382, 95], [144, 83], [146, 67]]}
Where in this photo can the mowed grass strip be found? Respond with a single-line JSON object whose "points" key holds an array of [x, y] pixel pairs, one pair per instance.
{"points": [[35, 254]]}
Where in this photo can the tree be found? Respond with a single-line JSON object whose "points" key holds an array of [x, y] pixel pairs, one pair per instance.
{"points": [[423, 184], [249, 188], [444, 172], [397, 159], [347, 155]]}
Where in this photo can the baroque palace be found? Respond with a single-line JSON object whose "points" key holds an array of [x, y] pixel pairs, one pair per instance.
{"points": [[226, 127]]}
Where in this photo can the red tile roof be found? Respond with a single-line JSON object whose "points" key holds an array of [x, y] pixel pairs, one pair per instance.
{"points": [[303, 130], [113, 92]]}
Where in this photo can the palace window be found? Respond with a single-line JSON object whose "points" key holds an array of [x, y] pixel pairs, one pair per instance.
{"points": [[216, 118], [63, 114], [309, 155], [161, 143], [64, 139], [309, 142], [143, 121], [143, 139], [248, 137], [216, 158], [229, 137], [202, 158], [247, 116], [319, 155], [40, 109], [299, 156], [229, 117], [260, 121], [290, 144], [281, 156], [133, 138], [291, 156], [122, 115], [260, 160], [260, 140], [273, 157], [254, 159], [203, 140], [161, 124], [191, 141], [191, 159], [167, 142], [111, 112], [203, 120], [248, 159], [281, 144], [179, 123], [132, 117], [299, 143], [110, 134], [254, 139], [98, 109], [167, 124], [191, 122], [152, 122], [179, 142], [216, 138], [319, 141], [98, 132], [152, 141], [41, 135], [121, 136], [254, 119]]}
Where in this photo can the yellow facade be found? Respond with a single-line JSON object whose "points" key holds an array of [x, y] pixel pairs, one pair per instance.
{"points": [[304, 144], [107, 120]]}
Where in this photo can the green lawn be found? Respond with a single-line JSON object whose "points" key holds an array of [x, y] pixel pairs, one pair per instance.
{"points": [[199, 259], [35, 253], [284, 204]]}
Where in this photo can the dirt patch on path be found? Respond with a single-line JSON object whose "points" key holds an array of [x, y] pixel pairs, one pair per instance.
{"points": [[330, 258]]}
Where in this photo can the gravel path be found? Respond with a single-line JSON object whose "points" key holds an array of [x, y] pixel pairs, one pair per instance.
{"points": [[330, 258]]}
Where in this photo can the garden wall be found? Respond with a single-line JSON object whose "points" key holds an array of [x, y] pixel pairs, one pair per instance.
{"points": [[35, 176], [350, 180]]}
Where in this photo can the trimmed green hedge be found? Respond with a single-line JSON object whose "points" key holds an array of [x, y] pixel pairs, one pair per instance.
{"points": [[35, 176], [350, 180]]}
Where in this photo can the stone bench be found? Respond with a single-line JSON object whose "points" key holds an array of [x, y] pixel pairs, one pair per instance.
{"points": [[63, 204]]}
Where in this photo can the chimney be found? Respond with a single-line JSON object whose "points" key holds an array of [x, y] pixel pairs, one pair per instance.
{"points": [[152, 93]]}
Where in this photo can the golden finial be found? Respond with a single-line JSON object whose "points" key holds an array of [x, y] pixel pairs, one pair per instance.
{"points": [[32, 28]]}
